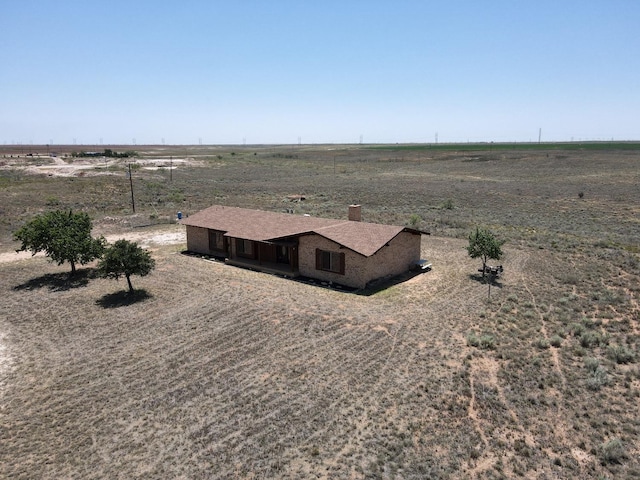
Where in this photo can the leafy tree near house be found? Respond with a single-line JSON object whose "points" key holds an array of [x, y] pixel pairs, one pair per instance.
{"points": [[484, 245], [64, 236], [123, 259]]}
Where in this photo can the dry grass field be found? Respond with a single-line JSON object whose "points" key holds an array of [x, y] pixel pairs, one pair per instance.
{"points": [[213, 371]]}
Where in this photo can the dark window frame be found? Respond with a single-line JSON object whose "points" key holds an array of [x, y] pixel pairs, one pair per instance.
{"points": [[245, 248], [217, 241], [330, 261]]}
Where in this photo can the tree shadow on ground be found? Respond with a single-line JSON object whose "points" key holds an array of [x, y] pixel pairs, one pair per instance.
{"points": [[59, 282], [495, 281], [123, 298]]}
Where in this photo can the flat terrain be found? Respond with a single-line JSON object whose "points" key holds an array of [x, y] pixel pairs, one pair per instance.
{"points": [[213, 371]]}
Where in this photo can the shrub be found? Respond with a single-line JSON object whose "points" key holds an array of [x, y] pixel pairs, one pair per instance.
{"points": [[591, 364], [621, 354], [485, 342], [612, 451], [542, 343], [577, 329], [591, 339], [414, 220], [578, 351], [598, 378], [556, 341], [507, 308], [448, 204], [52, 201]]}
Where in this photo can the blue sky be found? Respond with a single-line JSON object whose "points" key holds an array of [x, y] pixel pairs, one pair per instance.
{"points": [[320, 72]]}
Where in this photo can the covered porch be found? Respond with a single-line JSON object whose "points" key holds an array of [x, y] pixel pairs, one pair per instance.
{"points": [[280, 257]]}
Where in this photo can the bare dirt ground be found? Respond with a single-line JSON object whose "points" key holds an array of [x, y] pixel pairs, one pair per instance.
{"points": [[147, 238], [213, 371], [90, 166]]}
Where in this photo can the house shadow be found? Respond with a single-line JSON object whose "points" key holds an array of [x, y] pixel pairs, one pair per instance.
{"points": [[59, 282], [123, 298], [378, 286], [372, 287]]}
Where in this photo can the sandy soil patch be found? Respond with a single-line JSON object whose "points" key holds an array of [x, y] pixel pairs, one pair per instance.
{"points": [[147, 239], [80, 166]]}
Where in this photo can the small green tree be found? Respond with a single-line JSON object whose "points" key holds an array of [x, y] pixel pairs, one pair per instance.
{"points": [[125, 258], [483, 244], [63, 236]]}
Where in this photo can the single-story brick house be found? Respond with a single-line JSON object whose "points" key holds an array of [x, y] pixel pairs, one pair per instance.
{"points": [[347, 252]]}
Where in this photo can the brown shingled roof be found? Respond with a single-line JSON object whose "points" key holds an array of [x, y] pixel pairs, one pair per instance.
{"points": [[361, 237]]}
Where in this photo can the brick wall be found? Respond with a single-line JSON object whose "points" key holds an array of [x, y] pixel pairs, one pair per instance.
{"points": [[391, 260], [197, 239]]}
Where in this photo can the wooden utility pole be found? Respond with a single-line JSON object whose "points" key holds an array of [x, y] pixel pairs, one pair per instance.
{"points": [[133, 202]]}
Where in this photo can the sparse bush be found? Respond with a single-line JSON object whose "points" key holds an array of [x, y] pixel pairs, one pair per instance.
{"points": [[578, 351], [590, 339], [621, 354], [555, 341], [541, 343], [569, 278], [598, 378], [612, 451], [414, 220], [175, 196], [473, 340], [448, 204], [591, 364], [507, 308], [577, 329], [485, 342], [512, 297]]}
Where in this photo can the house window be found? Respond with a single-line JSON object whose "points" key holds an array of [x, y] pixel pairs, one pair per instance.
{"points": [[216, 240], [244, 247], [330, 261], [282, 254]]}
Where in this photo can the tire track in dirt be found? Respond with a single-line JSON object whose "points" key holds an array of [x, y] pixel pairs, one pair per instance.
{"points": [[483, 373], [560, 421], [543, 324], [635, 307], [311, 383]]}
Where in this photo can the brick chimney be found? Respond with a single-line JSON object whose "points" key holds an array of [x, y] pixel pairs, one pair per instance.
{"points": [[355, 213]]}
